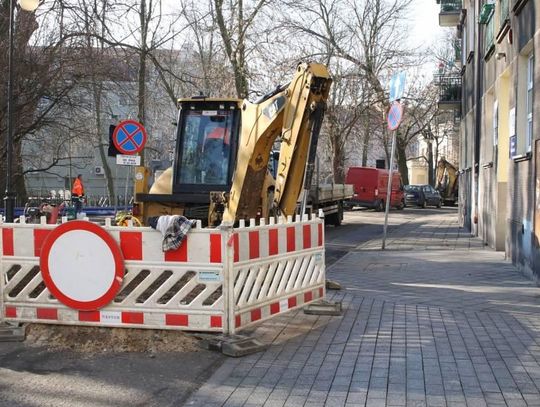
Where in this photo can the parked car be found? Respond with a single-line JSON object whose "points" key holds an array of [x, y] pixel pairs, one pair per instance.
{"points": [[370, 188], [422, 195]]}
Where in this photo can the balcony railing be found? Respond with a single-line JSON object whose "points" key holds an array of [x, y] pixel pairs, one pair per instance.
{"points": [[450, 13], [449, 92]]}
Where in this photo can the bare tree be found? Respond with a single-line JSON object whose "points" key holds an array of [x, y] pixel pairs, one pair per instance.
{"points": [[235, 20], [40, 88], [420, 108], [345, 110], [367, 35]]}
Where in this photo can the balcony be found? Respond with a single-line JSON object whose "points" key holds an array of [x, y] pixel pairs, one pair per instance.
{"points": [[450, 13], [449, 92]]}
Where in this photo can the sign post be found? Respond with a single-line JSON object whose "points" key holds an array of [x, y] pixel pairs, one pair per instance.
{"points": [[129, 138], [395, 114]]}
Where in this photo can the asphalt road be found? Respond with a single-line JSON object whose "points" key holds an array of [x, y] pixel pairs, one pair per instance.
{"points": [[38, 377], [32, 376]]}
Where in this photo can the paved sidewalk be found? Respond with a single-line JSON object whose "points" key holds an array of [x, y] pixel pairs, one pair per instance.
{"points": [[436, 320]]}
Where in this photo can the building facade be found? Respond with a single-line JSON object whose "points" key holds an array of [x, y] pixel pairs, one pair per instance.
{"points": [[500, 117]]}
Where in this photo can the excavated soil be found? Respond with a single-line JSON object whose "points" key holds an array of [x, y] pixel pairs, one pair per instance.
{"points": [[94, 340]]}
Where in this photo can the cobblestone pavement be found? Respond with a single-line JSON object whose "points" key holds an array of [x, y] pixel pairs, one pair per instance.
{"points": [[436, 320]]}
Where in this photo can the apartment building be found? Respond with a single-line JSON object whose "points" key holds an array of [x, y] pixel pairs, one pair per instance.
{"points": [[496, 96]]}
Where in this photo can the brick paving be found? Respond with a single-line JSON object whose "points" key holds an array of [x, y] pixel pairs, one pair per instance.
{"points": [[436, 320]]}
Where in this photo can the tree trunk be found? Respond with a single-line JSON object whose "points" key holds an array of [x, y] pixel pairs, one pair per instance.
{"points": [[367, 137], [402, 161], [141, 77], [338, 161], [430, 163], [97, 90], [19, 186], [235, 48], [387, 145]]}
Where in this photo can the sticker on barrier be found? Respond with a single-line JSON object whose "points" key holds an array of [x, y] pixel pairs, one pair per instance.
{"points": [[82, 265]]}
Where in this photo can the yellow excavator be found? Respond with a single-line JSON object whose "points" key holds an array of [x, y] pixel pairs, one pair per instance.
{"points": [[447, 182], [223, 146]]}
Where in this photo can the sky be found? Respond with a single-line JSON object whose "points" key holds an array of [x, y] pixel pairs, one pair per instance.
{"points": [[425, 30], [425, 22]]}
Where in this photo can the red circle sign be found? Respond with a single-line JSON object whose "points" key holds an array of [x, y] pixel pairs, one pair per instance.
{"points": [[129, 137], [82, 265]]}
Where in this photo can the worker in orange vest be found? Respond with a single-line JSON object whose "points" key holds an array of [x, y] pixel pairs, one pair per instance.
{"points": [[216, 152], [77, 193]]}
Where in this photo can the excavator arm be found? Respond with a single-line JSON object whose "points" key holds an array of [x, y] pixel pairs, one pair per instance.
{"points": [[446, 179], [294, 114]]}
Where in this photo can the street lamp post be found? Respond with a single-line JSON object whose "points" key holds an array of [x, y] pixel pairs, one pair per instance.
{"points": [[9, 197]]}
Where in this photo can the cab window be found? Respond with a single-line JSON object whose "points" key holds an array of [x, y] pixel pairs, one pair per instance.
{"points": [[206, 149]]}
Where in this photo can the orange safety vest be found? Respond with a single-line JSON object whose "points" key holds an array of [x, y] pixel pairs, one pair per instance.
{"points": [[78, 188], [219, 133]]}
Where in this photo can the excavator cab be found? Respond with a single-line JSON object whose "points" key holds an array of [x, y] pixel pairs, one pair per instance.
{"points": [[206, 149], [205, 159]]}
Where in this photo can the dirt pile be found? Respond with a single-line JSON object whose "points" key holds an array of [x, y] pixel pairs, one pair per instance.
{"points": [[92, 340]]}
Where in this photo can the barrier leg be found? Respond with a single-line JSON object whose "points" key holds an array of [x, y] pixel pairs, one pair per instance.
{"points": [[228, 280], [8, 332], [230, 344]]}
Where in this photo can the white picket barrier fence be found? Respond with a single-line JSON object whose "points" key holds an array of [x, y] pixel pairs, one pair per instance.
{"points": [[219, 280]]}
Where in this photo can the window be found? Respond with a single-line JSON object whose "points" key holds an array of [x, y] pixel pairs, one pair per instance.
{"points": [[525, 99], [206, 147], [530, 88]]}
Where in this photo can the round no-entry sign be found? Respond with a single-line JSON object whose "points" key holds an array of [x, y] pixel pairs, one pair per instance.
{"points": [[129, 137], [82, 265], [395, 114]]}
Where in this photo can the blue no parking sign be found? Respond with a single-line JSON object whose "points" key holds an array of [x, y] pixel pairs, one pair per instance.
{"points": [[395, 114], [129, 137]]}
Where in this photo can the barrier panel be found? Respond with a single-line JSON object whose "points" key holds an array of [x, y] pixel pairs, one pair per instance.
{"points": [[218, 280], [276, 268]]}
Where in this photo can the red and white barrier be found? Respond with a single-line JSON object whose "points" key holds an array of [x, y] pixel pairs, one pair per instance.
{"points": [[219, 280], [276, 268]]}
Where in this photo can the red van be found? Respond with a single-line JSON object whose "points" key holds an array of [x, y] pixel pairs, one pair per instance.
{"points": [[370, 186]]}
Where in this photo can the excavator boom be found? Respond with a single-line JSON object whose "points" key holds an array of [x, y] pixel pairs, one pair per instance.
{"points": [[294, 114]]}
